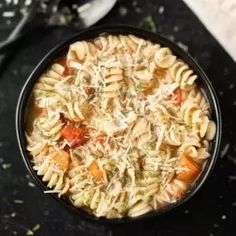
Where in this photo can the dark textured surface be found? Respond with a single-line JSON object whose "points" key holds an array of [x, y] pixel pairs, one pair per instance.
{"points": [[212, 211]]}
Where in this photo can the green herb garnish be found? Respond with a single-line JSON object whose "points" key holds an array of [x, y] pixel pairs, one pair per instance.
{"points": [[150, 145], [141, 86], [148, 24]]}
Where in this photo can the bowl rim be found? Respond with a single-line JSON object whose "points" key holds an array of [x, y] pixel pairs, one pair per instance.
{"points": [[92, 33]]}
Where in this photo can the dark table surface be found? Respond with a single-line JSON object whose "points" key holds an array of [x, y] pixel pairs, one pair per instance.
{"points": [[212, 211]]}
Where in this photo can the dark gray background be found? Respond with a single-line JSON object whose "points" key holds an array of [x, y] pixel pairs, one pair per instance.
{"points": [[212, 211]]}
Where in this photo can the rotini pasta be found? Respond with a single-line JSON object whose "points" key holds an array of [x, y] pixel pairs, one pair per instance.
{"points": [[121, 127], [53, 171], [183, 75]]}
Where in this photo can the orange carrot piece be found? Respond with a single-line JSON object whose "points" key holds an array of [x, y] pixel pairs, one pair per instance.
{"points": [[150, 89], [62, 158], [95, 171], [193, 170]]}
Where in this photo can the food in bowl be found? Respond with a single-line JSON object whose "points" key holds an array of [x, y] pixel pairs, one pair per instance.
{"points": [[119, 126]]}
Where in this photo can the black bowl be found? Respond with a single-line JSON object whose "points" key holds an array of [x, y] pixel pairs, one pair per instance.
{"points": [[91, 33]]}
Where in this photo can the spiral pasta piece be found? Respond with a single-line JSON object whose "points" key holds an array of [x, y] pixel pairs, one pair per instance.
{"points": [[53, 174], [184, 76], [113, 83], [197, 97], [141, 132], [48, 81], [81, 51], [211, 130], [140, 208], [49, 126], [171, 193], [163, 58]]}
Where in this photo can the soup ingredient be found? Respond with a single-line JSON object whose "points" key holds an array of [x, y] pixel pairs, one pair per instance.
{"points": [[101, 138], [95, 171], [89, 90], [192, 172], [74, 135], [62, 159], [177, 97]]}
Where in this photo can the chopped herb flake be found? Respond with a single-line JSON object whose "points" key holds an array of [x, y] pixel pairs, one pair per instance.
{"points": [[29, 232], [148, 24], [18, 201], [141, 86], [13, 214], [6, 166], [150, 145], [36, 227]]}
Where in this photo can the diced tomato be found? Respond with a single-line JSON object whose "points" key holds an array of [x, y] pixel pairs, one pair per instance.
{"points": [[177, 97], [75, 136], [101, 138], [95, 171], [89, 90]]}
